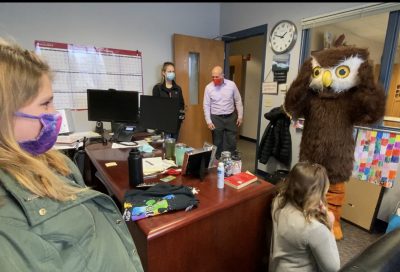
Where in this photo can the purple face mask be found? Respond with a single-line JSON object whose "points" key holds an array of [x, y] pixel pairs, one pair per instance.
{"points": [[47, 136]]}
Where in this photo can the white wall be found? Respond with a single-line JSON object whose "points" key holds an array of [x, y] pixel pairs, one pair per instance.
{"points": [[240, 16], [147, 27]]}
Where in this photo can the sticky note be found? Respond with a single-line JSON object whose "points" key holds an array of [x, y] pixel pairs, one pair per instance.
{"points": [[167, 178]]}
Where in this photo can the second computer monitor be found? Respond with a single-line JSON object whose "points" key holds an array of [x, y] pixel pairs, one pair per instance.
{"points": [[161, 113], [113, 106]]}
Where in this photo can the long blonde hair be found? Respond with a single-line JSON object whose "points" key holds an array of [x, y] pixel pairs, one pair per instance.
{"points": [[20, 78], [305, 188]]}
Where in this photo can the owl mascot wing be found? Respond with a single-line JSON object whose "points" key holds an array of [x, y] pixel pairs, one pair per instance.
{"points": [[334, 90]]}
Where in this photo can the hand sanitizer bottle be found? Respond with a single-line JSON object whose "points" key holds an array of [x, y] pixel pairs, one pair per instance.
{"points": [[221, 176]]}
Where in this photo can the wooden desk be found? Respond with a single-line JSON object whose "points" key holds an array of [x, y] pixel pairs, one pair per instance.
{"points": [[228, 231]]}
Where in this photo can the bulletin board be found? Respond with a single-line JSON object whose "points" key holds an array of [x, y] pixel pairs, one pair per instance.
{"points": [[376, 157], [77, 68]]}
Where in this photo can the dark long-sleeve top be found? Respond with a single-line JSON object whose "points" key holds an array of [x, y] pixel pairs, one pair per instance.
{"points": [[174, 92]]}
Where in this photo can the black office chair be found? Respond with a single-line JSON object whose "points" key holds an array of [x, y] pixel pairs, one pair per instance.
{"points": [[79, 159], [381, 256], [107, 190]]}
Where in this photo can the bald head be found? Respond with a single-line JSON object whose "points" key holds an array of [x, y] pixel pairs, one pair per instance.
{"points": [[217, 75], [217, 71]]}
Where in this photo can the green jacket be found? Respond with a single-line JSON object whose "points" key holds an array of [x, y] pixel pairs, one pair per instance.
{"points": [[40, 234]]}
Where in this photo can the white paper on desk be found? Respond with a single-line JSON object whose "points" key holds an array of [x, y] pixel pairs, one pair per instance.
{"points": [[77, 136], [155, 165], [152, 165], [59, 146], [128, 144], [141, 142], [87, 134], [68, 139]]}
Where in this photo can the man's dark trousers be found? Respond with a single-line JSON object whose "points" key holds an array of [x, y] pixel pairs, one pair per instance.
{"points": [[224, 134]]}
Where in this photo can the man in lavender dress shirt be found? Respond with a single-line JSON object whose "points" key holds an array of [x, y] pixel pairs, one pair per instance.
{"points": [[223, 111]]}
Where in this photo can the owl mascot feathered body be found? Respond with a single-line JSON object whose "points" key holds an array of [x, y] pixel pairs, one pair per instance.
{"points": [[334, 91]]}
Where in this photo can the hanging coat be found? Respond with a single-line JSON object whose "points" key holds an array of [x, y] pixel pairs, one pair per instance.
{"points": [[276, 140]]}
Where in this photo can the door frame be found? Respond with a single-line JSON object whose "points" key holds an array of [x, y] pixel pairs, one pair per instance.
{"points": [[240, 35], [211, 53]]}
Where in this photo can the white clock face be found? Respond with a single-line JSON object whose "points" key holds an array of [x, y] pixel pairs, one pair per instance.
{"points": [[283, 37]]}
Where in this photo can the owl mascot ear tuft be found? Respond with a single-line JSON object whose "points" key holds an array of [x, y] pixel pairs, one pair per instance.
{"points": [[339, 41], [295, 102]]}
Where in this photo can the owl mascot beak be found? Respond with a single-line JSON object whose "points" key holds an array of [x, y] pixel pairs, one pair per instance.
{"points": [[327, 79]]}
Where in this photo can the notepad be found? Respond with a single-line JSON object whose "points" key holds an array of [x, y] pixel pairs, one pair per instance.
{"points": [[155, 165]]}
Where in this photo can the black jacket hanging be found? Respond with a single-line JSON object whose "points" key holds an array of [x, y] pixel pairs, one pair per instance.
{"points": [[276, 140]]}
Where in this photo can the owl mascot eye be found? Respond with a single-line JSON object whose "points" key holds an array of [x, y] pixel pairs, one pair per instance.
{"points": [[334, 90]]}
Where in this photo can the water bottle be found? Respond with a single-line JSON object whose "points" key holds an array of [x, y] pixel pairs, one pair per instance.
{"points": [[135, 167], [220, 171]]}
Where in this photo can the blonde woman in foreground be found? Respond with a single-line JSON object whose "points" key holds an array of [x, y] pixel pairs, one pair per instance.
{"points": [[302, 226], [49, 219]]}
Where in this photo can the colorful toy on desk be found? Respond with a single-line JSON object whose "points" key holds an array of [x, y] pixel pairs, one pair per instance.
{"points": [[157, 200]]}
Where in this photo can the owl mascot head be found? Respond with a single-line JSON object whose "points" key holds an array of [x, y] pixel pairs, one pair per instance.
{"points": [[334, 90]]}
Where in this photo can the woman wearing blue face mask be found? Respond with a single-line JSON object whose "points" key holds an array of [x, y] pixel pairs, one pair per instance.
{"points": [[49, 219], [168, 88]]}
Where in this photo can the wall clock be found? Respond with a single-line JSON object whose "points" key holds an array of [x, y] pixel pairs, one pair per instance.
{"points": [[283, 37]]}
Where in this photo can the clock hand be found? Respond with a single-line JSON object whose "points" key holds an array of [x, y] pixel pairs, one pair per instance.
{"points": [[284, 34], [278, 36]]}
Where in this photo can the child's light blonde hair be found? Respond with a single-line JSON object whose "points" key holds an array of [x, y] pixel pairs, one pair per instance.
{"points": [[305, 188], [21, 73]]}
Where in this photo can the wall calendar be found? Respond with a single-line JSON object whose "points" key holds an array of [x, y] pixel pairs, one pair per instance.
{"points": [[77, 68]]}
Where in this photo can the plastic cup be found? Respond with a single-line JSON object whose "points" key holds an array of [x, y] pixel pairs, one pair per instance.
{"points": [[180, 150], [169, 148]]}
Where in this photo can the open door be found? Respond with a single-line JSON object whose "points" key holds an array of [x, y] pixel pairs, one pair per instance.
{"points": [[237, 73], [194, 58]]}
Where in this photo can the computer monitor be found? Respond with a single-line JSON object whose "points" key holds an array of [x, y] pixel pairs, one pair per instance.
{"points": [[161, 113], [113, 106]]}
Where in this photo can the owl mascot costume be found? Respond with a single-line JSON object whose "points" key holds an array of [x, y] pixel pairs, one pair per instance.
{"points": [[334, 90]]}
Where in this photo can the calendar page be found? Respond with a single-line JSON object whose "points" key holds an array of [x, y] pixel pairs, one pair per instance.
{"points": [[77, 68]]}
